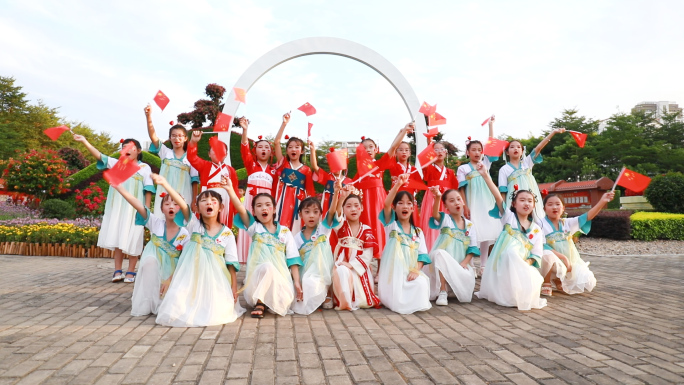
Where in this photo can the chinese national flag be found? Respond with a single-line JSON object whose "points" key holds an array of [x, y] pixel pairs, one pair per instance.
{"points": [[427, 109], [161, 99], [337, 160], [580, 137], [494, 147], [436, 120], [310, 125], [55, 132], [416, 184], [223, 122], [307, 108], [487, 120], [240, 95], [427, 156], [364, 162], [123, 169], [633, 180], [219, 148], [432, 133]]}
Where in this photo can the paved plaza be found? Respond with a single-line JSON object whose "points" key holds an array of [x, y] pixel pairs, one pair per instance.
{"points": [[61, 322]]}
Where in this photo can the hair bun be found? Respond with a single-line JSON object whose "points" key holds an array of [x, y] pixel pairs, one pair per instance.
{"points": [[287, 137], [171, 123], [363, 138]]}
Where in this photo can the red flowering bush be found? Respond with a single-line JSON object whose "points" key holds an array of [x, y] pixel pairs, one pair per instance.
{"points": [[90, 202], [40, 173]]}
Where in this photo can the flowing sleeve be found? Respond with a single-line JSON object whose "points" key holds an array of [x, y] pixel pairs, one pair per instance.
{"points": [[230, 255], [247, 157], [435, 224], [105, 162], [291, 250], [537, 249], [152, 222], [503, 178], [148, 184], [250, 227], [471, 231], [532, 159], [422, 249], [195, 161], [461, 173], [580, 223]]}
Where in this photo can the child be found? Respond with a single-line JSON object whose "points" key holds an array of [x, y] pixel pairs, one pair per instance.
{"points": [[260, 178], [510, 277], [268, 283], [453, 250], [175, 166], [119, 231], [160, 255], [210, 175], [402, 286], [560, 247], [519, 171], [325, 178], [479, 200], [295, 180], [313, 243], [436, 175], [353, 286], [203, 291]]}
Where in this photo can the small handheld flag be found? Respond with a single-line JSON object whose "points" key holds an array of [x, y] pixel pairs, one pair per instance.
{"points": [[218, 147], [427, 156], [494, 147], [223, 122], [436, 120], [579, 137], [240, 95], [337, 160], [432, 132], [309, 132], [427, 109], [161, 99], [307, 108], [487, 120], [55, 132], [632, 180], [124, 167]]}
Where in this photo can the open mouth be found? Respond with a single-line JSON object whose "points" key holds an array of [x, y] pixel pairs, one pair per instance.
{"points": [[404, 212], [264, 215], [171, 212], [263, 154], [210, 210]]}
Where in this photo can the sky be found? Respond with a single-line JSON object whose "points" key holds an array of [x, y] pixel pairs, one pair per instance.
{"points": [[525, 61]]}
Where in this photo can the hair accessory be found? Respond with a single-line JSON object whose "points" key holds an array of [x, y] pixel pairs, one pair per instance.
{"points": [[354, 191], [121, 140], [363, 138], [332, 149], [260, 137], [171, 123], [162, 195], [287, 137], [467, 142], [515, 187], [545, 192]]}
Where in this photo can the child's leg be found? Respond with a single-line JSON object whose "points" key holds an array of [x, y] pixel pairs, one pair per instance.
{"points": [[132, 261], [484, 253], [118, 259], [377, 274], [443, 282]]}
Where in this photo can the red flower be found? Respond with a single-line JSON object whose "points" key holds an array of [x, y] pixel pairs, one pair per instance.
{"points": [[179, 247], [86, 201]]}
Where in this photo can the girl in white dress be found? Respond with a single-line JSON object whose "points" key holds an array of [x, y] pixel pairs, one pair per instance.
{"points": [[203, 290], [511, 277], [453, 250], [272, 277], [175, 167], [160, 255], [119, 231], [479, 199], [402, 286], [561, 262], [313, 243]]}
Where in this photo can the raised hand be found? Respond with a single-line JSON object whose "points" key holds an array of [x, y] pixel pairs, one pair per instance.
{"points": [[410, 127], [80, 138], [286, 118], [244, 123], [196, 136], [148, 110], [607, 197], [403, 179], [158, 179], [482, 169], [226, 183], [436, 192]]}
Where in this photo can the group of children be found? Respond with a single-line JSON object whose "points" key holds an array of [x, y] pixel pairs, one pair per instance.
{"points": [[301, 254]]}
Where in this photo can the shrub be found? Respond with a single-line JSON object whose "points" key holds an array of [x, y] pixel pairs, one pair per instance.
{"points": [[37, 172], [91, 201], [664, 193], [91, 174], [612, 225], [74, 159], [58, 209], [649, 226], [44, 232]]}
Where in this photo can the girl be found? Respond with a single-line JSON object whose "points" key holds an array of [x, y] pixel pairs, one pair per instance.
{"points": [[119, 231], [259, 180], [160, 255], [402, 286], [267, 280], [436, 175], [519, 171], [453, 250], [325, 178], [203, 291], [313, 243], [560, 247], [211, 173], [175, 166], [479, 200], [295, 180], [510, 277], [352, 278]]}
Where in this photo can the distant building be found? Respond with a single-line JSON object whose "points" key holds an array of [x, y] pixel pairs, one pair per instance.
{"points": [[349, 145], [659, 108], [579, 195]]}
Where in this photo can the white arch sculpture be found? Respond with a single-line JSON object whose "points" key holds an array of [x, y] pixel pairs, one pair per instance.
{"points": [[331, 46]]}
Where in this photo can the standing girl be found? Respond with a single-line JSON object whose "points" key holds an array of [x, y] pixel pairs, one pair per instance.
{"points": [[119, 231], [511, 277], [561, 261], [175, 167], [436, 175], [203, 291], [453, 250], [402, 286]]}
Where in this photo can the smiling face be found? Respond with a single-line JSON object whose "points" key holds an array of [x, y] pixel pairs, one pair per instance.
{"points": [[209, 205], [553, 207], [370, 147], [403, 152], [453, 202], [352, 208], [169, 208], [294, 150], [404, 207], [524, 203], [475, 152], [264, 209], [515, 150], [311, 216], [178, 138], [262, 151]]}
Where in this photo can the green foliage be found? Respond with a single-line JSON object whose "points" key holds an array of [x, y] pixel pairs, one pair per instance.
{"points": [[58, 209], [612, 225], [649, 226], [37, 172], [665, 193], [75, 161], [615, 203], [90, 174]]}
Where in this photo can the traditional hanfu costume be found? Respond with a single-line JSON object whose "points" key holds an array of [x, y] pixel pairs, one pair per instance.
{"points": [[401, 255], [293, 186], [157, 264], [118, 229], [201, 291], [450, 249], [374, 195], [435, 176], [580, 278], [327, 180], [509, 279], [395, 169], [509, 176], [178, 172], [268, 277]]}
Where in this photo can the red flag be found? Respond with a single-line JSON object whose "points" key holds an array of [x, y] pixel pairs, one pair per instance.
{"points": [[310, 125], [123, 169], [223, 122], [580, 137], [55, 132], [427, 109], [632, 180], [416, 184], [240, 95], [432, 132], [436, 120], [337, 160], [364, 162], [494, 147], [487, 120], [427, 156], [219, 148], [307, 108], [161, 99]]}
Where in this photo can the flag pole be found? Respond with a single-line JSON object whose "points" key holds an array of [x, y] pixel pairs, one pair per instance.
{"points": [[618, 178]]}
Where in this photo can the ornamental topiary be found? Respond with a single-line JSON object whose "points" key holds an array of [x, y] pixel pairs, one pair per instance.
{"points": [[57, 209], [665, 193]]}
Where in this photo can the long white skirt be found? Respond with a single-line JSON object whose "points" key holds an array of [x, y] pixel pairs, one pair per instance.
{"points": [[315, 290], [579, 279], [551, 262], [118, 230], [267, 285], [400, 295], [460, 280], [146, 299]]}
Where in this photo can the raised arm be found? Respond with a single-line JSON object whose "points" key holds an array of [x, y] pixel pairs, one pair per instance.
{"points": [[312, 157], [161, 181], [543, 143], [332, 210], [276, 141], [408, 128], [492, 187], [491, 127], [150, 127], [437, 194], [227, 184], [92, 150], [607, 197], [244, 123], [387, 209], [133, 201]]}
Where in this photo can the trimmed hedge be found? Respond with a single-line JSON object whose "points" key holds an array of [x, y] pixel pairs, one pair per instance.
{"points": [[92, 174], [648, 226], [665, 193], [612, 225]]}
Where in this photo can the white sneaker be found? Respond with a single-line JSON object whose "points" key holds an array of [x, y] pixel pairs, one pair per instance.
{"points": [[442, 299]]}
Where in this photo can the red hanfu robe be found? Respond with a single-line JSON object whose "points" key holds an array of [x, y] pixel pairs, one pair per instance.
{"points": [[293, 186], [445, 178]]}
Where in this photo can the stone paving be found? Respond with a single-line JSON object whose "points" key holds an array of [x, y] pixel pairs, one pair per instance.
{"points": [[61, 322]]}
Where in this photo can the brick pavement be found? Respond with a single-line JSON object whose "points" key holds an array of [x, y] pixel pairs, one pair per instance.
{"points": [[61, 322]]}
